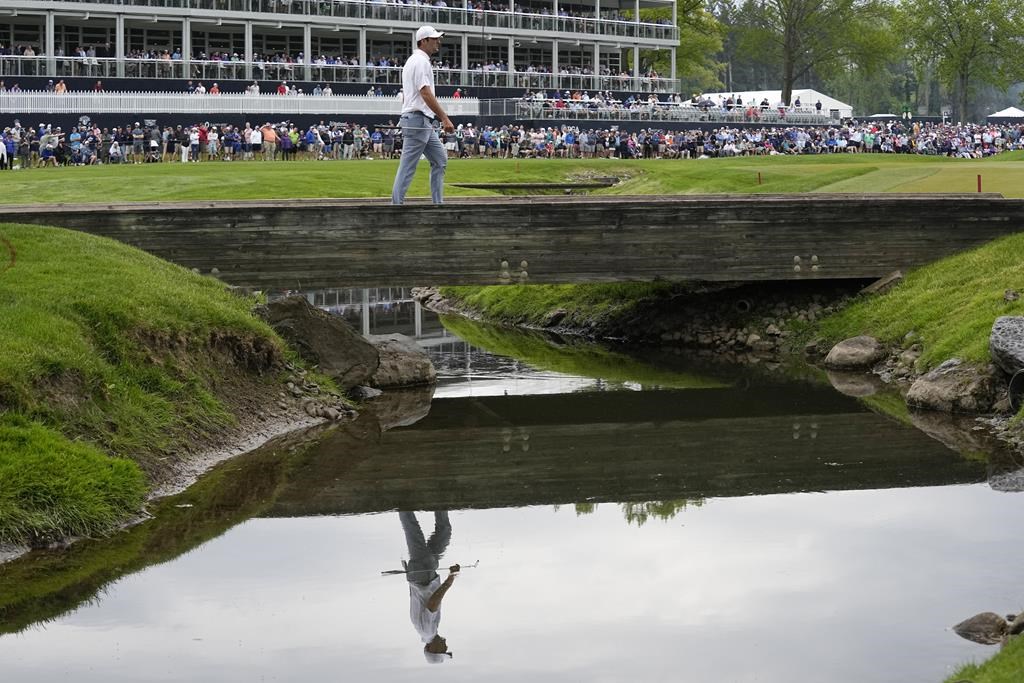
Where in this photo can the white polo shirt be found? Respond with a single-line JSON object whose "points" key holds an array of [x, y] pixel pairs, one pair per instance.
{"points": [[416, 74]]}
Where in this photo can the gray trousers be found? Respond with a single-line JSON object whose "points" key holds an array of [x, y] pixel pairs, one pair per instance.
{"points": [[424, 555], [419, 137]]}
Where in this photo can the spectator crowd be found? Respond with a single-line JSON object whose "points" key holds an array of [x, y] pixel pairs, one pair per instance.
{"points": [[84, 145]]}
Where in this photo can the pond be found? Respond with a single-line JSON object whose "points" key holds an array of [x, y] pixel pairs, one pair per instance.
{"points": [[688, 523]]}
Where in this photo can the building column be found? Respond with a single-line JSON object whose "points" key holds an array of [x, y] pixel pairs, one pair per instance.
{"points": [[554, 65], [362, 54], [511, 62], [307, 48], [465, 59], [50, 46], [248, 51], [186, 48], [119, 41], [597, 66], [672, 62], [636, 61]]}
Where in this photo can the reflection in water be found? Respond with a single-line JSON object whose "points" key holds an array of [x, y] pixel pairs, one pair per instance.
{"points": [[720, 592], [426, 590], [639, 513]]}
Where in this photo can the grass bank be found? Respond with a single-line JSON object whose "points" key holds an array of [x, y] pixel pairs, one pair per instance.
{"points": [[246, 180], [114, 363], [533, 305], [1005, 667], [949, 305]]}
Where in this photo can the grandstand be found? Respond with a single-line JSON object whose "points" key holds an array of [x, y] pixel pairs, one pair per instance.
{"points": [[114, 60], [491, 49]]}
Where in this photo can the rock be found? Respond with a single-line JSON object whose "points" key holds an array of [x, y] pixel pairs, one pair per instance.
{"points": [[856, 353], [1006, 343], [402, 362], [1017, 625], [363, 393], [955, 387], [752, 340], [1010, 295], [856, 384], [323, 340], [1008, 482], [772, 331], [554, 317], [909, 357], [401, 407], [987, 628]]}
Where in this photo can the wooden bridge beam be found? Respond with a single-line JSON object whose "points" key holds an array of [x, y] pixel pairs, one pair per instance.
{"points": [[315, 243]]}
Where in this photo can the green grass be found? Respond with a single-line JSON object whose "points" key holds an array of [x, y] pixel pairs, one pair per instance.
{"points": [[1005, 667], [575, 357], [529, 305], [124, 354], [950, 304], [53, 487], [246, 180]]}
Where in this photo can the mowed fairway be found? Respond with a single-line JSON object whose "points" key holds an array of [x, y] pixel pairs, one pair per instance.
{"points": [[256, 180]]}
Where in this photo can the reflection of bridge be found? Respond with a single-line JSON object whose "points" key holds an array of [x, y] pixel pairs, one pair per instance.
{"points": [[616, 447], [309, 243]]}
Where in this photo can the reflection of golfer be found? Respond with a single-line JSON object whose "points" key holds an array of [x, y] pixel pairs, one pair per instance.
{"points": [[425, 587]]}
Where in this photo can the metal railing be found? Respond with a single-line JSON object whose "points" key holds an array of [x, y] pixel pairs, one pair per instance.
{"points": [[183, 103], [476, 20], [576, 111], [209, 71]]}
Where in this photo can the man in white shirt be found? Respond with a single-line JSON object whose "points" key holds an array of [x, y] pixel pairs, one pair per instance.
{"points": [[420, 112]]}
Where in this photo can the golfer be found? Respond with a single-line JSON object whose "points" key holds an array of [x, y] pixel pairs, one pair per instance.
{"points": [[420, 114]]}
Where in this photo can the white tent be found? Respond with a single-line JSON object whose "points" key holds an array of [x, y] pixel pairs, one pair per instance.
{"points": [[1008, 113], [808, 98]]}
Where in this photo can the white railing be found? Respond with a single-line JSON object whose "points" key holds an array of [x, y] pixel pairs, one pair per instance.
{"points": [[183, 103], [570, 110], [209, 71]]}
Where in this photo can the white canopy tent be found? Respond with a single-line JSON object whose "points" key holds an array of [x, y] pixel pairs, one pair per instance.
{"points": [[808, 98], [1008, 113]]}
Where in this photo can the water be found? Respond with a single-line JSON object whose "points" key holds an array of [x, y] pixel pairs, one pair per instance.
{"points": [[761, 530]]}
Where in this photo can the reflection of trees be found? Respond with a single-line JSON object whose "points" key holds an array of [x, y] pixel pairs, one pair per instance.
{"points": [[639, 513]]}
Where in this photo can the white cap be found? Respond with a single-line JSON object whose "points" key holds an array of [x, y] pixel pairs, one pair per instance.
{"points": [[427, 32]]}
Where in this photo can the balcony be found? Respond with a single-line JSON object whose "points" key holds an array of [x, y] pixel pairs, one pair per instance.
{"points": [[470, 20], [220, 71]]}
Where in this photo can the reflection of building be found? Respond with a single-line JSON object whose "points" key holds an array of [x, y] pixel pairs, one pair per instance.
{"points": [[564, 44]]}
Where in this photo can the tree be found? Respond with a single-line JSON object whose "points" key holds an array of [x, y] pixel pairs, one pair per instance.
{"points": [[809, 36], [970, 43], [700, 40]]}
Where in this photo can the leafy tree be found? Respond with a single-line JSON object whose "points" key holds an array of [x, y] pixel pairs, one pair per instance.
{"points": [[700, 40], [814, 37], [970, 43]]}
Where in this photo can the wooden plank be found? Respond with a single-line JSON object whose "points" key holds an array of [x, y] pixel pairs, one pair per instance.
{"points": [[323, 243]]}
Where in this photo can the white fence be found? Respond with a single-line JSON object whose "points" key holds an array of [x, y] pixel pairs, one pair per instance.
{"points": [[184, 103]]}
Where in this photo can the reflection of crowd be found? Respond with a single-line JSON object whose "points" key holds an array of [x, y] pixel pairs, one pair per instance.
{"points": [[87, 145]]}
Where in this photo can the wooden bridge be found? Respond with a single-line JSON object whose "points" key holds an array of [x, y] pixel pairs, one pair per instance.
{"points": [[316, 243]]}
